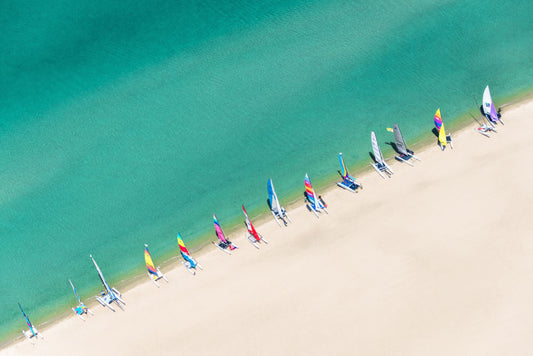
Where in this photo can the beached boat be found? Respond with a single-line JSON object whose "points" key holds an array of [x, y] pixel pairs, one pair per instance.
{"points": [[32, 332], [444, 138], [489, 109], [253, 236], [223, 243], [313, 203], [189, 262], [153, 272], [405, 154], [379, 162], [81, 308], [277, 210], [108, 295], [348, 182]]}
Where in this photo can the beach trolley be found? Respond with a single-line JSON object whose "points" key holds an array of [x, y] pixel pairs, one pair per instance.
{"points": [[153, 272], [404, 154], [379, 162], [276, 209], [32, 333], [81, 309], [223, 243], [348, 182], [314, 204], [108, 295], [253, 236], [190, 263]]}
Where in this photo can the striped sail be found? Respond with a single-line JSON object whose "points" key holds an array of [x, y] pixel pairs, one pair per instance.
{"points": [[184, 252], [440, 127], [344, 170], [249, 226], [375, 147], [75, 293], [310, 192], [400, 143], [149, 263], [438, 120], [27, 320], [274, 202], [219, 231], [488, 106]]}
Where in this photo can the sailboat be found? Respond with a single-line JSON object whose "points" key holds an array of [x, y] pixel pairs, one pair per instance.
{"points": [[489, 109], [190, 263], [253, 236], [444, 138], [405, 154], [153, 272], [223, 243], [81, 308], [32, 332], [348, 182], [277, 210], [315, 204], [108, 295], [380, 165]]}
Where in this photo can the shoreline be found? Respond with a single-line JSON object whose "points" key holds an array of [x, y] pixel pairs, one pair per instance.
{"points": [[133, 280]]}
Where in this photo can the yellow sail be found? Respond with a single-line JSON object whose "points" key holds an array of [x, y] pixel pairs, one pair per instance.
{"points": [[442, 136]]}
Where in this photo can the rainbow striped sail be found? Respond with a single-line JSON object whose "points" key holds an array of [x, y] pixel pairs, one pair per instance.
{"points": [[440, 127], [149, 263], [185, 253], [310, 193], [344, 170]]}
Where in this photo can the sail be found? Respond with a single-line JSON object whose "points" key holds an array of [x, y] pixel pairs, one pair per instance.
{"points": [[27, 320], [438, 120], [310, 192], [442, 136], [74, 290], [274, 202], [344, 170], [400, 143], [219, 231], [106, 286], [488, 106], [184, 252], [249, 226], [377, 152], [149, 263]]}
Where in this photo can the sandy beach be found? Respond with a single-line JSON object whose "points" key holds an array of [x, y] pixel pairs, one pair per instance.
{"points": [[433, 261]]}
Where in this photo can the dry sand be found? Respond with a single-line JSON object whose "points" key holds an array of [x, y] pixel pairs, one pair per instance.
{"points": [[433, 261]]}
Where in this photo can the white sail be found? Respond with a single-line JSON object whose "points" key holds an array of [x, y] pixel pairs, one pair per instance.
{"points": [[377, 152]]}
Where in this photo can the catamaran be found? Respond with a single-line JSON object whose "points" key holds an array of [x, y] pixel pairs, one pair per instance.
{"points": [[315, 204], [153, 272], [32, 332], [380, 165], [348, 182], [444, 138], [405, 154], [253, 236], [489, 109], [190, 263], [81, 308], [108, 295], [223, 243], [277, 210]]}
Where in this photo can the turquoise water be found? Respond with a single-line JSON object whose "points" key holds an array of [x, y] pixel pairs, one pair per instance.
{"points": [[126, 124]]}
